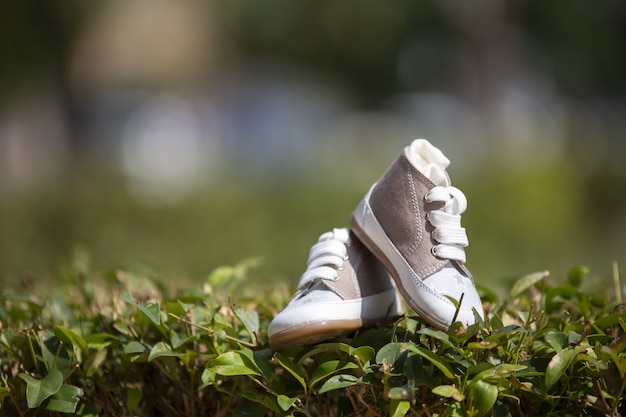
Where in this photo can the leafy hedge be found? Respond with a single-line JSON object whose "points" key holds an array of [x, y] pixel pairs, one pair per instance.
{"points": [[122, 348]]}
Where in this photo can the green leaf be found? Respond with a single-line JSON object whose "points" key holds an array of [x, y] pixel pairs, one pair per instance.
{"points": [[556, 296], [268, 401], [152, 311], [186, 306], [161, 349], [576, 275], [559, 364], [573, 338], [70, 338], [133, 398], [400, 393], [448, 391], [410, 323], [607, 353], [434, 359], [54, 354], [221, 276], [234, 363], [484, 344], [364, 353], [326, 347], [250, 320], [456, 410], [329, 368], [393, 354], [134, 347], [178, 341], [3, 392], [262, 360], [399, 408], [412, 368], [506, 333], [482, 396], [232, 276], [99, 341], [557, 340], [207, 378], [338, 382], [609, 321], [93, 362], [175, 308], [65, 400], [496, 373], [436, 334], [525, 282], [37, 390], [292, 368], [496, 322], [285, 402]]}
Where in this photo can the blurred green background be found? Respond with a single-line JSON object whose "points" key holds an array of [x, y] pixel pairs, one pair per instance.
{"points": [[176, 137]]}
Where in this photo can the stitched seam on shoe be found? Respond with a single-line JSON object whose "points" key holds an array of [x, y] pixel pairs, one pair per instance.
{"points": [[426, 272], [355, 274], [431, 291], [352, 277], [416, 210], [436, 294], [420, 236]]}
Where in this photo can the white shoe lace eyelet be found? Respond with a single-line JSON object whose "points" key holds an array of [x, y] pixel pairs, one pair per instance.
{"points": [[433, 250]]}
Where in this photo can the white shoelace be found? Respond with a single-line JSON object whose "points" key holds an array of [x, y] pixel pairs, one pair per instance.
{"points": [[448, 232], [326, 257]]}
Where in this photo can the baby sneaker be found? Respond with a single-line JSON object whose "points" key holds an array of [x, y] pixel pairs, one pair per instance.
{"points": [[343, 289], [411, 221]]}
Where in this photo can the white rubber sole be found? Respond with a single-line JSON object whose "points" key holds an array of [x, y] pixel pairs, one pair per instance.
{"points": [[312, 322]]}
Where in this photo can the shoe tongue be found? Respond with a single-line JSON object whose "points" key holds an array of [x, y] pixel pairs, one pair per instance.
{"points": [[430, 161]]}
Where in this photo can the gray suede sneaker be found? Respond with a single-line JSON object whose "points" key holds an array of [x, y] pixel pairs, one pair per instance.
{"points": [[411, 221], [343, 289]]}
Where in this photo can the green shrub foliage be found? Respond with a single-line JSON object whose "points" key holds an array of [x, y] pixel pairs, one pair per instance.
{"points": [[120, 347]]}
